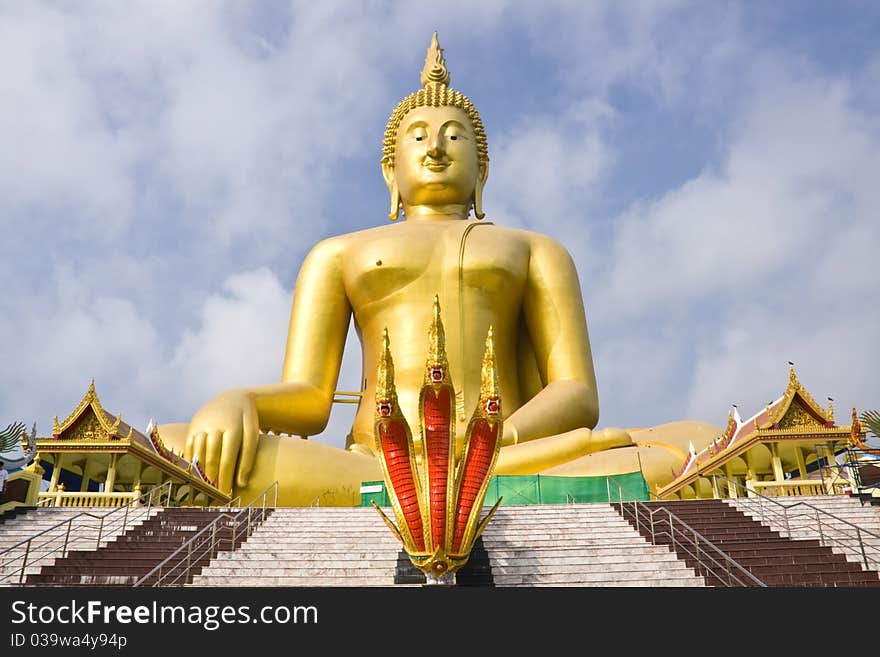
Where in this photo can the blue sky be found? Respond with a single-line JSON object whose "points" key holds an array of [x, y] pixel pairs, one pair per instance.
{"points": [[712, 167]]}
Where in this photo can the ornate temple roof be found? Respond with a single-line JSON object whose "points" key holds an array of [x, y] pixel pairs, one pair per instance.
{"points": [[794, 416], [90, 428]]}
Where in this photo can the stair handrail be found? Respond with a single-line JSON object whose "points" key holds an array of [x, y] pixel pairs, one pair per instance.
{"points": [[853, 539], [701, 549], [207, 540], [105, 527]]}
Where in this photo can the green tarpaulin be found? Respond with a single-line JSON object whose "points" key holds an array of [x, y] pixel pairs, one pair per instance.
{"points": [[538, 489]]}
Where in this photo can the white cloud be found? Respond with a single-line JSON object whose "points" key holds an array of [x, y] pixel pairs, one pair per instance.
{"points": [[765, 260], [56, 342], [797, 172], [745, 363], [239, 340], [57, 154], [153, 150], [543, 167]]}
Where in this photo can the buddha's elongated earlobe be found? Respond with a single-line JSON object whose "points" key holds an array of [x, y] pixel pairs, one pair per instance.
{"points": [[395, 203], [478, 190], [388, 175]]}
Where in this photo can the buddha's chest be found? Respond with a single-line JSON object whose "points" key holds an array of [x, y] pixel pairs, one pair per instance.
{"points": [[419, 263]]}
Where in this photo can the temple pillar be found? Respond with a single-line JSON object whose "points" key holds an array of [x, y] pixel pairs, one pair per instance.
{"points": [[110, 481], [828, 451], [716, 489], [136, 482], [778, 473], [731, 483], [84, 486], [751, 470], [751, 474], [56, 472], [801, 462]]}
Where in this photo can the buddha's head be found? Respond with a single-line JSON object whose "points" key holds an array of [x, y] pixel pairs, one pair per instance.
{"points": [[435, 152]]}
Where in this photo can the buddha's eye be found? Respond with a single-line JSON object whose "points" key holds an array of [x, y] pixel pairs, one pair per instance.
{"points": [[419, 138], [453, 137]]}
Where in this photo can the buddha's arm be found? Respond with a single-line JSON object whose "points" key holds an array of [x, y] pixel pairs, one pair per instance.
{"points": [[315, 341], [556, 322], [300, 404]]}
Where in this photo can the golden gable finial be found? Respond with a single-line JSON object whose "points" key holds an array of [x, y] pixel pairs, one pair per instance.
{"points": [[489, 374], [437, 339], [385, 390], [435, 70]]}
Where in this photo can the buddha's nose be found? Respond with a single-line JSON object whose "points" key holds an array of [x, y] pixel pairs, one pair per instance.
{"points": [[435, 147]]}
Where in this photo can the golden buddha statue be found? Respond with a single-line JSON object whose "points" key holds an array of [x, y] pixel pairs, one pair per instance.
{"points": [[435, 163]]}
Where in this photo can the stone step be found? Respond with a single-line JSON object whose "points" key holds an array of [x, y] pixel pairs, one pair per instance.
{"points": [[239, 581], [325, 570], [635, 553], [259, 540], [626, 568], [582, 541], [494, 533], [671, 583], [520, 524], [590, 579], [806, 579], [837, 515]]}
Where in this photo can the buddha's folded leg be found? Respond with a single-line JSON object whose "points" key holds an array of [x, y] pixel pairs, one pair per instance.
{"points": [[542, 453], [309, 473]]}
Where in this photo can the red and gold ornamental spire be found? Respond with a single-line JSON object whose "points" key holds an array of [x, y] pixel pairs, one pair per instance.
{"points": [[438, 504]]}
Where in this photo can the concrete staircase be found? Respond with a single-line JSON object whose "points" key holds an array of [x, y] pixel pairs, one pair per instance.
{"points": [[577, 545], [123, 561], [49, 528], [305, 546], [548, 545], [837, 530], [774, 559]]}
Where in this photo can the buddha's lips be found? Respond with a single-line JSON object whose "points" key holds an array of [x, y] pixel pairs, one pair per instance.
{"points": [[436, 166]]}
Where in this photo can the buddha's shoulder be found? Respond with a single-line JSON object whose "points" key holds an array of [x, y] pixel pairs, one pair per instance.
{"points": [[354, 238], [534, 240], [340, 244]]}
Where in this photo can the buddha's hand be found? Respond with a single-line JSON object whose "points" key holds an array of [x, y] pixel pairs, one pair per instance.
{"points": [[220, 430]]}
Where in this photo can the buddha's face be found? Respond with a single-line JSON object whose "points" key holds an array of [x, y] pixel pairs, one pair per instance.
{"points": [[435, 161]]}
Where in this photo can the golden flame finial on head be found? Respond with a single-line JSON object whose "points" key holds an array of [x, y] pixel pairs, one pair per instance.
{"points": [[435, 92], [435, 70], [385, 390], [437, 340], [489, 387]]}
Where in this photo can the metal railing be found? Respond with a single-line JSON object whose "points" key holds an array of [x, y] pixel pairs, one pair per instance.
{"points": [[831, 530], [666, 528], [83, 529], [176, 568]]}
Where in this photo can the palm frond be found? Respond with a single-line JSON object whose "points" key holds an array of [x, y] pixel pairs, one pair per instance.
{"points": [[11, 436], [871, 419]]}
